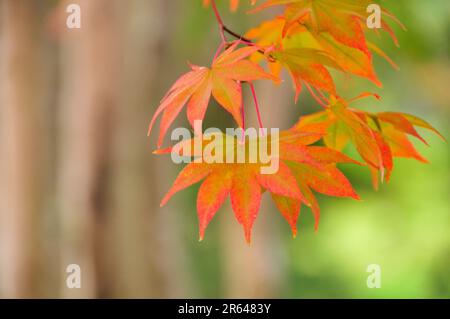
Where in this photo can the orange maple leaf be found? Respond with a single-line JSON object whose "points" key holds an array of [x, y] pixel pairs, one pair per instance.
{"points": [[378, 137], [222, 81], [302, 169], [343, 19], [336, 54]]}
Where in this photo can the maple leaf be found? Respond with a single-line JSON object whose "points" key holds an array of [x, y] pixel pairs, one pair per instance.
{"points": [[222, 81], [307, 66], [234, 4], [377, 137], [342, 19], [328, 26], [339, 56], [302, 169], [324, 178]]}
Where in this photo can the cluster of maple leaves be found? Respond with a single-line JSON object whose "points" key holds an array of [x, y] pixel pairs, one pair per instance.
{"points": [[309, 39]]}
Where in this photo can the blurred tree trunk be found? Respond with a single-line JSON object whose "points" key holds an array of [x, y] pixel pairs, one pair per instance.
{"points": [[146, 251], [91, 76], [112, 225], [21, 161], [134, 198]]}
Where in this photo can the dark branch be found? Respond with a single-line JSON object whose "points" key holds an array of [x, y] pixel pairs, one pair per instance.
{"points": [[236, 35]]}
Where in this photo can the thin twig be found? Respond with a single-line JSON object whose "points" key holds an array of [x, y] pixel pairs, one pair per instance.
{"points": [[325, 99], [314, 95], [236, 35], [219, 20], [219, 49], [223, 28], [258, 113], [243, 117]]}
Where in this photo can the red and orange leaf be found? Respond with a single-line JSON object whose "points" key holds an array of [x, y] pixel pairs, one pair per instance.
{"points": [[300, 168], [394, 128], [304, 48], [222, 81], [337, 27], [358, 132], [326, 180], [343, 19], [378, 137]]}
